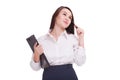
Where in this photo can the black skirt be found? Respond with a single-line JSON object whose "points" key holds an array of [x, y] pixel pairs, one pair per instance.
{"points": [[59, 72]]}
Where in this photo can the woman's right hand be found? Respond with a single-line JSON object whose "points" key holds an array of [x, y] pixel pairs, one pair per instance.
{"points": [[38, 50]]}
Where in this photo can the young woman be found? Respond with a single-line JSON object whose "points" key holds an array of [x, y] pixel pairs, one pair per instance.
{"points": [[61, 47]]}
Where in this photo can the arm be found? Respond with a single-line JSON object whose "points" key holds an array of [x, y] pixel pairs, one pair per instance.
{"points": [[80, 34], [35, 62], [79, 55], [79, 51], [35, 65]]}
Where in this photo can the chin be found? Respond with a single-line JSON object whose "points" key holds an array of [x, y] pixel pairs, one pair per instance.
{"points": [[65, 27]]}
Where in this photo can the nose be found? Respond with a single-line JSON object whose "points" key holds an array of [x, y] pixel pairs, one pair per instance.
{"points": [[67, 19]]}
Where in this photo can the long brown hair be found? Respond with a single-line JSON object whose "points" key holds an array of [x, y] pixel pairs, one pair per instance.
{"points": [[70, 28]]}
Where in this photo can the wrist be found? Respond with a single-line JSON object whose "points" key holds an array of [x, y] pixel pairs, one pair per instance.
{"points": [[36, 58], [81, 42]]}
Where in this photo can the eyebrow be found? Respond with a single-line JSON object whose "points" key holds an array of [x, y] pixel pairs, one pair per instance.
{"points": [[66, 13]]}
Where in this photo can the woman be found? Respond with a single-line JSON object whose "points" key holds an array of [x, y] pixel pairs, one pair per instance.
{"points": [[61, 47]]}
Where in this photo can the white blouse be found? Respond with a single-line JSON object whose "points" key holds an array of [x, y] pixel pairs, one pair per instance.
{"points": [[63, 51]]}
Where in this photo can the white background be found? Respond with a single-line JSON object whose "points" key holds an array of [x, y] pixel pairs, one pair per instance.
{"points": [[100, 20]]}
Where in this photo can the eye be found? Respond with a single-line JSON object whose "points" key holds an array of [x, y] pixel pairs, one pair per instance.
{"points": [[70, 18], [64, 14]]}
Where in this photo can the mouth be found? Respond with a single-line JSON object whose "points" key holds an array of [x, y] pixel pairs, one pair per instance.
{"points": [[66, 22]]}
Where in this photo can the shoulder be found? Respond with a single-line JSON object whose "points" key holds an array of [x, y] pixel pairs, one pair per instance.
{"points": [[42, 38], [72, 36]]}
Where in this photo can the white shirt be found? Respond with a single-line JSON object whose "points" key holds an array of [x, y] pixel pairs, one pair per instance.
{"points": [[63, 51]]}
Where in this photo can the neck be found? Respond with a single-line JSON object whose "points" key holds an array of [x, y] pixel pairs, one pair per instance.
{"points": [[56, 32]]}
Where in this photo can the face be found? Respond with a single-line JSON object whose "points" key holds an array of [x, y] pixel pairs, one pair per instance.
{"points": [[64, 18]]}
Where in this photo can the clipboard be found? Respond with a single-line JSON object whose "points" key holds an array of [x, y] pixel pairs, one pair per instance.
{"points": [[43, 60]]}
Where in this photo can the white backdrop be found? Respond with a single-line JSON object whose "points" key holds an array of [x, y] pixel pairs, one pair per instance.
{"points": [[99, 18]]}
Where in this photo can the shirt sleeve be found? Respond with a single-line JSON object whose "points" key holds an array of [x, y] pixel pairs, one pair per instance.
{"points": [[35, 66], [79, 53]]}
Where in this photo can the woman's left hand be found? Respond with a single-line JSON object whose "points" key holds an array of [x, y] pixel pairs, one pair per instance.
{"points": [[80, 32]]}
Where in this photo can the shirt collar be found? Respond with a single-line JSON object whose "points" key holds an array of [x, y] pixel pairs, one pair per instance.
{"points": [[62, 34], [65, 34]]}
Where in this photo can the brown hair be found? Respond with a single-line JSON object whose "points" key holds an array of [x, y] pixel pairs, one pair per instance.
{"points": [[70, 28]]}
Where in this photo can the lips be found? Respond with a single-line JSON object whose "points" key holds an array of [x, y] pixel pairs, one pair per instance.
{"points": [[66, 22]]}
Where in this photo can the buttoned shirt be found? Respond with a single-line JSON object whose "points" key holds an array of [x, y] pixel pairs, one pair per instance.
{"points": [[64, 50]]}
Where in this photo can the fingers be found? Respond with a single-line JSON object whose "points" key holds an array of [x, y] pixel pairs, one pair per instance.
{"points": [[75, 26], [35, 45], [78, 28], [80, 31], [38, 49]]}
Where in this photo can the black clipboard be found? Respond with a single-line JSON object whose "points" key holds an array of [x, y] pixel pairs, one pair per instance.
{"points": [[43, 60]]}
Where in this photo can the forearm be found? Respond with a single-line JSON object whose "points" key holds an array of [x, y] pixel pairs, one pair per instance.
{"points": [[35, 65], [79, 57], [36, 57], [81, 42]]}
